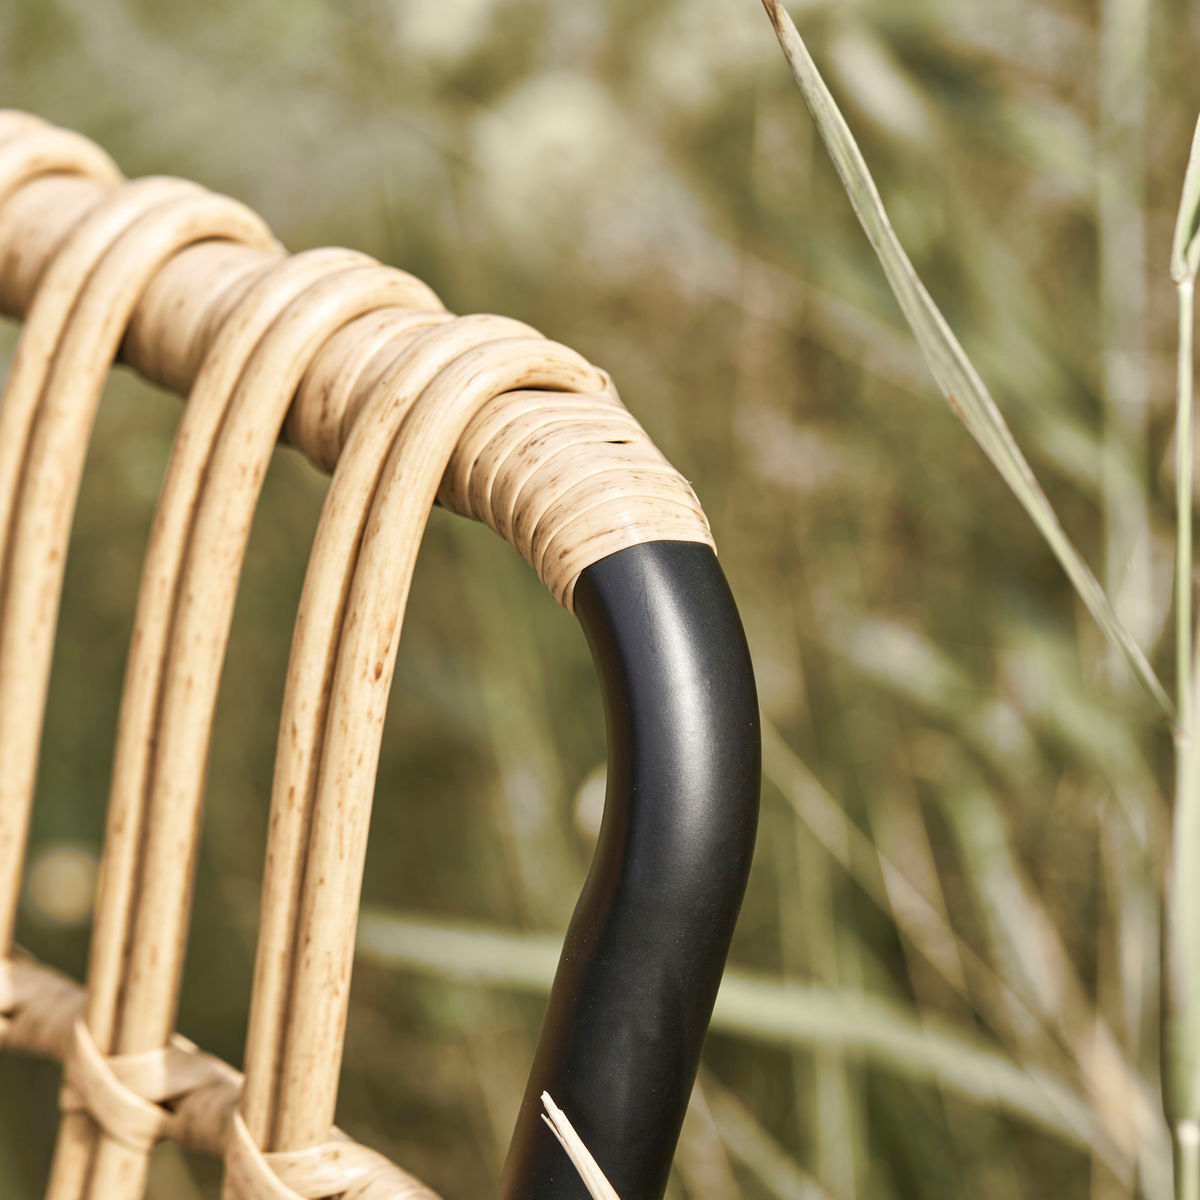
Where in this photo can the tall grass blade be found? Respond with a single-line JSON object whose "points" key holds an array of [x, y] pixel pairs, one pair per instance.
{"points": [[778, 1172], [1185, 289], [1030, 944], [763, 1009], [1120, 171], [815, 946], [1185, 248], [960, 383], [702, 1160], [1183, 898], [958, 964], [1185, 262]]}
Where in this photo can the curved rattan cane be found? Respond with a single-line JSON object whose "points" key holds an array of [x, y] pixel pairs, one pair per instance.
{"points": [[360, 367]]}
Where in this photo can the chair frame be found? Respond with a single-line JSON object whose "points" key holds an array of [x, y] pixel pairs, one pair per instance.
{"points": [[360, 368]]}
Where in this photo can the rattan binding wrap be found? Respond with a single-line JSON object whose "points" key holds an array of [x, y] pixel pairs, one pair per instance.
{"points": [[360, 367]]}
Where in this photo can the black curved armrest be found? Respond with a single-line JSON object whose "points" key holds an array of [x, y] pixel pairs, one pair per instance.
{"points": [[645, 950]]}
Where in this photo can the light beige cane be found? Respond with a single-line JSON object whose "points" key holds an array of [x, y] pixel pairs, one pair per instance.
{"points": [[40, 1008], [126, 816], [204, 595], [168, 215], [29, 150]]}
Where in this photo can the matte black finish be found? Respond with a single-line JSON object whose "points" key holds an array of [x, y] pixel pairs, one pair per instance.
{"points": [[644, 953]]}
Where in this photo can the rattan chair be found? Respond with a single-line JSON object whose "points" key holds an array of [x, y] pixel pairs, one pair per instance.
{"points": [[361, 369]]}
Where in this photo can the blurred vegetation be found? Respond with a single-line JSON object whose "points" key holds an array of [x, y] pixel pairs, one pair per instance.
{"points": [[948, 957]]}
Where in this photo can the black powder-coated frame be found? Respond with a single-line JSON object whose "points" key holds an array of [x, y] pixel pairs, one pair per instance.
{"points": [[643, 957]]}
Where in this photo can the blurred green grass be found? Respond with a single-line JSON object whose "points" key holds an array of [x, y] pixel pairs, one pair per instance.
{"points": [[965, 807]]}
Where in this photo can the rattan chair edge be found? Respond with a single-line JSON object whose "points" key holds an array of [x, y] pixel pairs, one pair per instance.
{"points": [[359, 366]]}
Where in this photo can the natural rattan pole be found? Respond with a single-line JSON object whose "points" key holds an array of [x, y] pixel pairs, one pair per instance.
{"points": [[168, 540], [152, 625], [306, 1073], [52, 402], [180, 312], [56, 405], [204, 596], [306, 698], [26, 151]]}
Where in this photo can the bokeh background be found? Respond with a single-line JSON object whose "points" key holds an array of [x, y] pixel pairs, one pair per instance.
{"points": [[947, 963]]}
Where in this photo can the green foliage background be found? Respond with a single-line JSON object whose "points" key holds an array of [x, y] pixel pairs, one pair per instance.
{"points": [[640, 180]]}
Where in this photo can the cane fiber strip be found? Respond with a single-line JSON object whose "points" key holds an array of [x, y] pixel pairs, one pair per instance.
{"points": [[125, 842], [191, 285], [39, 1014]]}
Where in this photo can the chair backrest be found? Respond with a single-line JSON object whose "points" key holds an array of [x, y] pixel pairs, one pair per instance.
{"points": [[359, 367]]}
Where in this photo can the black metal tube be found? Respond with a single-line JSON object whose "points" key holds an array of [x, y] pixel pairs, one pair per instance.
{"points": [[643, 957]]}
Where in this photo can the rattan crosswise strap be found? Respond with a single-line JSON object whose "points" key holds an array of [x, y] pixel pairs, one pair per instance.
{"points": [[41, 1015], [361, 368]]}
